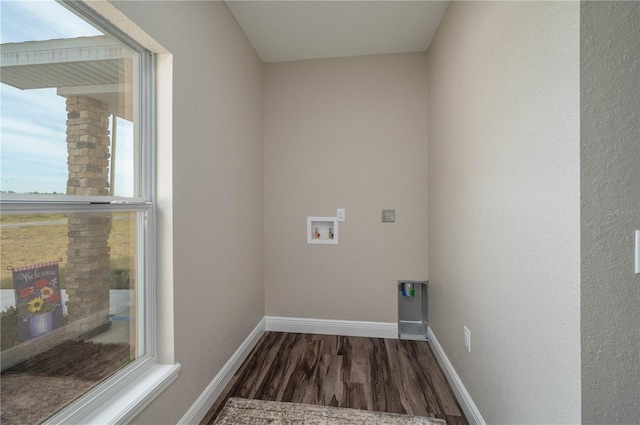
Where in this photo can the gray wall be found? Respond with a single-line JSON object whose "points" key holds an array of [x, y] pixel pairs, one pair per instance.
{"points": [[218, 290], [345, 133], [504, 205], [610, 195]]}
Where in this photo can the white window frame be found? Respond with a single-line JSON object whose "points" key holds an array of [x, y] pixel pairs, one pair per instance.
{"points": [[122, 396]]}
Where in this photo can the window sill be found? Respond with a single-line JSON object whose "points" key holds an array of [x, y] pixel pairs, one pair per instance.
{"points": [[124, 405]]}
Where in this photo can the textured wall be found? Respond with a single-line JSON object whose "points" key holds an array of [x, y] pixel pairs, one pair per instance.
{"points": [[217, 191], [345, 133], [504, 205], [610, 194]]}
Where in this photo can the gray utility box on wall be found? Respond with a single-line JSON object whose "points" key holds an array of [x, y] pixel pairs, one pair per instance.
{"points": [[412, 309]]}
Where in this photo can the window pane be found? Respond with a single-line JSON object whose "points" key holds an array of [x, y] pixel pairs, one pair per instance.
{"points": [[73, 285], [68, 107], [69, 307]]}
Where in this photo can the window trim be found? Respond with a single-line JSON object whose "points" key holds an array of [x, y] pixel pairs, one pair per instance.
{"points": [[122, 396]]}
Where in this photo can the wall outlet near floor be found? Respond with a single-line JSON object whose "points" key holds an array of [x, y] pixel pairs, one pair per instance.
{"points": [[340, 214], [467, 339], [637, 254]]}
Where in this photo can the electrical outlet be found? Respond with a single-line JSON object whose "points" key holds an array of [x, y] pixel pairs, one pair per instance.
{"points": [[637, 268], [467, 339], [388, 216], [340, 214]]}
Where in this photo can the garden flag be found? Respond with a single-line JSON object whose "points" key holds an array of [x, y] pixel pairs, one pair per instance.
{"points": [[38, 299]]}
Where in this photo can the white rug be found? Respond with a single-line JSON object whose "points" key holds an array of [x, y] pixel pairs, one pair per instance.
{"points": [[240, 411]]}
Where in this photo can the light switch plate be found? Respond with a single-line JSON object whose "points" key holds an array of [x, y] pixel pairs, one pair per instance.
{"points": [[388, 216]]}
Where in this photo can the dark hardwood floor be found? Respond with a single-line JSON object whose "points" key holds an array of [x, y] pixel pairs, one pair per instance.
{"points": [[388, 375]]}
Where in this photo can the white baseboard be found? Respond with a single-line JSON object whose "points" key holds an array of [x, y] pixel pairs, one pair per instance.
{"points": [[468, 406], [202, 405], [332, 327]]}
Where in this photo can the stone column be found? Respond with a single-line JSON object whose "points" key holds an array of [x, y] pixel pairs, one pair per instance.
{"points": [[88, 146], [87, 273]]}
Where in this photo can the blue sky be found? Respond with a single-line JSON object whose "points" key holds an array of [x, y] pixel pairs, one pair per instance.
{"points": [[33, 151]]}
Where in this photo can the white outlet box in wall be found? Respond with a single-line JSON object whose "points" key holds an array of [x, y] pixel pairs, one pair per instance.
{"points": [[322, 230]]}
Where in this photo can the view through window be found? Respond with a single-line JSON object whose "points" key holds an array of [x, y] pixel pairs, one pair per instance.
{"points": [[76, 208]]}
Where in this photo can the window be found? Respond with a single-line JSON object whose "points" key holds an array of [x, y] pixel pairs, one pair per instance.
{"points": [[77, 223]]}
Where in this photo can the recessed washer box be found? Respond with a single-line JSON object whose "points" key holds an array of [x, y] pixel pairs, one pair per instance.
{"points": [[412, 309], [322, 230]]}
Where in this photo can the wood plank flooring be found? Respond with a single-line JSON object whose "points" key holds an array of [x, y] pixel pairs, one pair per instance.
{"points": [[387, 375]]}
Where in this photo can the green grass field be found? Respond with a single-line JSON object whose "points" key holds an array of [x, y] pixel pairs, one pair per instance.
{"points": [[37, 243]]}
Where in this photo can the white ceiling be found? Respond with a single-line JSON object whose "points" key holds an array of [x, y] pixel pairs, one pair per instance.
{"points": [[296, 30]]}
